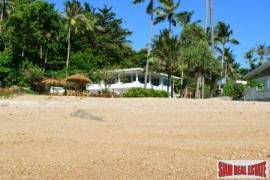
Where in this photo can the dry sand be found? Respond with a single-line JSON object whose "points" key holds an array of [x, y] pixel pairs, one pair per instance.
{"points": [[45, 137]]}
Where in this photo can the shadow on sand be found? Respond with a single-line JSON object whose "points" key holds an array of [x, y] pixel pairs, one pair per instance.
{"points": [[80, 113]]}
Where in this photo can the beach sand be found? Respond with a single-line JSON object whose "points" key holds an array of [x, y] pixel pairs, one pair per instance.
{"points": [[43, 137]]}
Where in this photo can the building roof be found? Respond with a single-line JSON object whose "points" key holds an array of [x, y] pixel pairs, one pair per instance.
{"points": [[257, 71], [134, 70]]}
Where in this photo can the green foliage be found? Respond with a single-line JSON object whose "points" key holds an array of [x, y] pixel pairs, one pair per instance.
{"points": [[236, 91], [255, 83], [6, 70], [84, 62], [32, 76], [140, 92]]}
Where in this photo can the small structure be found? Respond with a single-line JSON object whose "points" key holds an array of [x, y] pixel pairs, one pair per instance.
{"points": [[124, 79], [80, 82], [260, 74], [53, 85]]}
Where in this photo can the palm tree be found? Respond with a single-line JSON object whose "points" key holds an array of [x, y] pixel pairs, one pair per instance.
{"points": [[249, 56], [76, 18], [167, 12], [184, 18], [224, 34], [206, 14], [262, 50], [150, 12], [167, 51], [212, 26], [230, 65]]}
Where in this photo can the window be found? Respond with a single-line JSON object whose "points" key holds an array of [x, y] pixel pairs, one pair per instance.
{"points": [[155, 82], [165, 82], [127, 79]]}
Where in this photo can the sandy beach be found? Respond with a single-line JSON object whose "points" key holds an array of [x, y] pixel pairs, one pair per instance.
{"points": [[43, 137]]}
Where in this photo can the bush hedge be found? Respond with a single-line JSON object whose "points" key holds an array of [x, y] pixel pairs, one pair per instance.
{"points": [[140, 92], [236, 91]]}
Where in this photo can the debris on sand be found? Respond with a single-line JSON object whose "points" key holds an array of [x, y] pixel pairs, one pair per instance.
{"points": [[80, 113]]}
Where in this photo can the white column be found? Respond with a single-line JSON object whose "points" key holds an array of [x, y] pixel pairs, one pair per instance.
{"points": [[150, 80], [137, 78], [119, 78]]}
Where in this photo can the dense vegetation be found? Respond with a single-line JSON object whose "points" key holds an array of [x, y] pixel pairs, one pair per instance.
{"points": [[36, 42]]}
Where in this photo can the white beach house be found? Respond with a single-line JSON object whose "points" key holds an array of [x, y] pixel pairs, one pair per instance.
{"points": [[132, 78]]}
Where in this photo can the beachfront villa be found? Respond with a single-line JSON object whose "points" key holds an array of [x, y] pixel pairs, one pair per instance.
{"points": [[260, 74], [124, 79]]}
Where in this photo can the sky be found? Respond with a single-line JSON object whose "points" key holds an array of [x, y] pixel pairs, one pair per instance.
{"points": [[249, 19]]}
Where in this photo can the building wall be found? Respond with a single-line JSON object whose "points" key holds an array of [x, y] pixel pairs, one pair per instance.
{"points": [[255, 94]]}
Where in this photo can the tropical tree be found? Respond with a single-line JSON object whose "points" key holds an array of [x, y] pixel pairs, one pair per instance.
{"points": [[223, 36], [231, 67], [76, 19], [150, 12], [168, 54], [197, 55], [262, 51], [206, 14], [212, 25], [167, 12], [250, 59]]}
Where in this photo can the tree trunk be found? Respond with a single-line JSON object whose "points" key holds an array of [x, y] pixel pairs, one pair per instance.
{"points": [[41, 52], [23, 51], [182, 77], [172, 87], [68, 49], [148, 51], [212, 27], [45, 62], [222, 60], [206, 14], [2, 14], [197, 93], [202, 84]]}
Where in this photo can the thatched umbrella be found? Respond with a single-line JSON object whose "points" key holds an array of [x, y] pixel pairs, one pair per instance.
{"points": [[78, 79], [51, 81]]}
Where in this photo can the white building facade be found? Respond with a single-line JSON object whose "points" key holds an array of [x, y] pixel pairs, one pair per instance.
{"points": [[125, 79]]}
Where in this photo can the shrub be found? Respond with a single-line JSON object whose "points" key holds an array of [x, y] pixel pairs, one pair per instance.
{"points": [[32, 77], [236, 91], [140, 92]]}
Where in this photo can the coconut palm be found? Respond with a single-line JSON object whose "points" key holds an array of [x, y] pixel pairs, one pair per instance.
{"points": [[249, 56], [224, 34], [167, 51], [212, 25], [262, 51], [150, 12], [206, 14], [76, 18], [229, 64], [167, 12]]}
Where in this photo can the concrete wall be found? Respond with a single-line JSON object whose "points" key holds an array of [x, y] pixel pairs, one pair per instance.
{"points": [[254, 94]]}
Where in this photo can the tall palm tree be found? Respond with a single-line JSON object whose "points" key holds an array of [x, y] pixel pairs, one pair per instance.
{"points": [[76, 18], [262, 51], [150, 12], [229, 64], [249, 56], [212, 25], [224, 34], [206, 14], [167, 12], [167, 51]]}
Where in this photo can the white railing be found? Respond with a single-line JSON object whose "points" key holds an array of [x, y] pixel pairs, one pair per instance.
{"points": [[122, 87]]}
